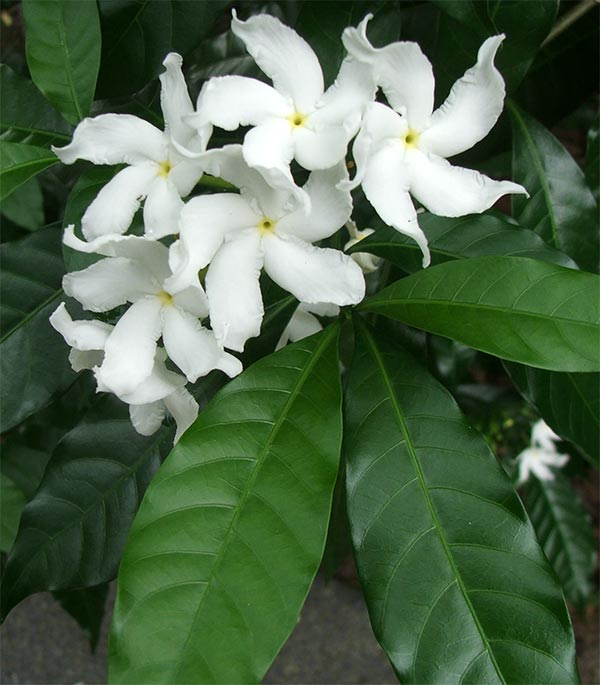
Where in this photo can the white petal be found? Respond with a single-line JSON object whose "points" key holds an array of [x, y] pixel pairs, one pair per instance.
{"points": [[175, 100], [108, 284], [235, 301], [191, 346], [543, 436], [449, 190], [147, 418], [82, 335], [285, 57], [115, 139], [130, 349], [82, 360], [385, 185], [159, 384], [472, 108], [301, 325], [330, 207], [344, 101], [313, 274], [183, 408], [150, 254], [192, 300], [320, 149], [162, 209], [401, 69], [185, 174], [320, 308], [541, 470], [203, 225], [113, 209], [367, 262], [233, 101], [228, 163]]}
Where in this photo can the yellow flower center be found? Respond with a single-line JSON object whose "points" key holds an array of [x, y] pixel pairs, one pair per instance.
{"points": [[165, 298], [411, 139], [266, 225], [164, 168], [297, 119]]}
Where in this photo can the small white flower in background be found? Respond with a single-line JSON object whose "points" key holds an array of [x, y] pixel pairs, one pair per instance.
{"points": [[367, 262], [541, 455], [402, 149], [156, 169], [163, 391], [294, 118], [134, 271], [304, 322], [238, 235]]}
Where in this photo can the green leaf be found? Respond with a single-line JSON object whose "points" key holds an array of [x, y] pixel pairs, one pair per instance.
{"points": [[476, 235], [86, 606], [25, 207], [19, 163], [33, 357], [63, 53], [564, 531], [457, 587], [232, 529], [25, 115], [561, 208], [568, 402], [138, 34], [74, 529], [515, 308], [592, 160], [12, 501]]}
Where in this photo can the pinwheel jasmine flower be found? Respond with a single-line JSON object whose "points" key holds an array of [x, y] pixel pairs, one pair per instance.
{"points": [[294, 119], [238, 235], [541, 455], [163, 391], [134, 271], [156, 170], [402, 150], [367, 262], [303, 322]]}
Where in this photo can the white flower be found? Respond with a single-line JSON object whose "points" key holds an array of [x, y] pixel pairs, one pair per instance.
{"points": [[135, 271], [303, 322], [541, 455], [367, 262], [156, 169], [163, 391], [294, 119], [239, 234], [402, 150]]}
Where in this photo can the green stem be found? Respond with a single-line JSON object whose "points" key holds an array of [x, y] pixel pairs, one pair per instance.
{"points": [[568, 19]]}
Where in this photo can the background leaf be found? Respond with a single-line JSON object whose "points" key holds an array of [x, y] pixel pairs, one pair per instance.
{"points": [[568, 402], [12, 501], [86, 606], [19, 163], [63, 53], [561, 208], [25, 115], [563, 529], [476, 235], [457, 587], [73, 530], [25, 207], [232, 529], [592, 160], [515, 308], [33, 357]]}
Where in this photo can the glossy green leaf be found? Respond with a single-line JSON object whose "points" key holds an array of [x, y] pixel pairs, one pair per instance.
{"points": [[592, 160], [477, 235], [457, 587], [19, 163], [63, 53], [232, 529], [12, 501], [25, 115], [568, 402], [25, 207], [515, 308], [564, 531], [138, 34], [74, 529], [561, 208], [86, 606], [33, 357]]}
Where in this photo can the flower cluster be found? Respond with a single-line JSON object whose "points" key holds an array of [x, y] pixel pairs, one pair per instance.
{"points": [[542, 454], [160, 290]]}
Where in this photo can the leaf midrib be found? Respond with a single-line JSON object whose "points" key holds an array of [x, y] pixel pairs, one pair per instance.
{"points": [[417, 467], [315, 356], [68, 64]]}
